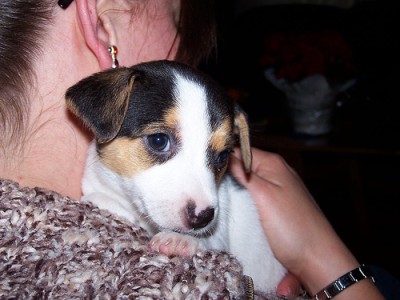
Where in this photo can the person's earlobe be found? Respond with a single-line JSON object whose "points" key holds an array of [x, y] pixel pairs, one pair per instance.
{"points": [[98, 32]]}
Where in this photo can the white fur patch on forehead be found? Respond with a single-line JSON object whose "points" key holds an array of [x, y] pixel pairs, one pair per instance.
{"points": [[194, 118]]}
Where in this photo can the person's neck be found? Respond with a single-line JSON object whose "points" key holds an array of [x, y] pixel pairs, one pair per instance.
{"points": [[53, 152], [53, 157]]}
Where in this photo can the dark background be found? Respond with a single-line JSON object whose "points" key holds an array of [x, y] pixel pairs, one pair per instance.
{"points": [[354, 171]]}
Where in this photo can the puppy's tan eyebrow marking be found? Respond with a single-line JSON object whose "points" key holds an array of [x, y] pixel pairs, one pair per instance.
{"points": [[171, 124], [126, 157], [219, 139], [154, 128], [171, 118]]}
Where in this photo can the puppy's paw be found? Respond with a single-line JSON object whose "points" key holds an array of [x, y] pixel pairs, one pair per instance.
{"points": [[172, 243]]}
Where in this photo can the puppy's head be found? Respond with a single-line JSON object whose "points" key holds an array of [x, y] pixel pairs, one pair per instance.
{"points": [[166, 131]]}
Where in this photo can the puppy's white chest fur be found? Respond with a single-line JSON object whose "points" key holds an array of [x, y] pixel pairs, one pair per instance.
{"points": [[163, 136]]}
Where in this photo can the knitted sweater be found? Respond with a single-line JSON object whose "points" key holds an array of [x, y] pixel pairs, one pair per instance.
{"points": [[54, 247]]}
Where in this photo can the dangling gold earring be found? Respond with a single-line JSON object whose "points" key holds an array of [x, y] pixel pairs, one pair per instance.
{"points": [[113, 51]]}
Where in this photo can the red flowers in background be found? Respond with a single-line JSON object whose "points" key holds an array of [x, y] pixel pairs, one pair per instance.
{"points": [[297, 56]]}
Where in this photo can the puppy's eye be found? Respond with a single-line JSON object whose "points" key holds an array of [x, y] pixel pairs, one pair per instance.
{"points": [[159, 142], [222, 159]]}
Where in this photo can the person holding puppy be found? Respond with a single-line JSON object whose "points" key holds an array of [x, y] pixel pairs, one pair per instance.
{"points": [[48, 45]]}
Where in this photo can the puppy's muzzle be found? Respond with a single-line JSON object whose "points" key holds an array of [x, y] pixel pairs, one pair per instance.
{"points": [[200, 220]]}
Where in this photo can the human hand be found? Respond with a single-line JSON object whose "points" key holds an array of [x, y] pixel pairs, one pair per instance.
{"points": [[299, 234], [287, 210]]}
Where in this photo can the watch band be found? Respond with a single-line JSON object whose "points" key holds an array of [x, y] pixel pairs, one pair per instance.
{"points": [[343, 282]]}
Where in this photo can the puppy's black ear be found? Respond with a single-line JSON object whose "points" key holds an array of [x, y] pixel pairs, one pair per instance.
{"points": [[101, 101], [243, 131]]}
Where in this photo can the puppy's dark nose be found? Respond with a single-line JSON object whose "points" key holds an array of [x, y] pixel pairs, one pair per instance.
{"points": [[201, 219]]}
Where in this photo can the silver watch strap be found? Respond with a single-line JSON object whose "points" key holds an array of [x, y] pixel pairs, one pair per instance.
{"points": [[343, 282]]}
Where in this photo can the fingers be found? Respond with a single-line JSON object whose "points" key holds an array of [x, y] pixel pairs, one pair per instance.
{"points": [[289, 287], [266, 165]]}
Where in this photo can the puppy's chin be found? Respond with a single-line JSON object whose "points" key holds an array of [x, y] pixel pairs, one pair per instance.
{"points": [[203, 232], [199, 233]]}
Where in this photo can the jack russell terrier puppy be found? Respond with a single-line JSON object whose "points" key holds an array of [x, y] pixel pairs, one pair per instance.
{"points": [[163, 134]]}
